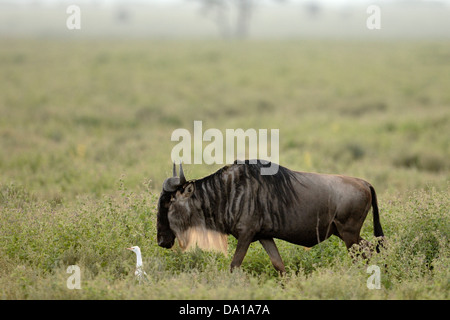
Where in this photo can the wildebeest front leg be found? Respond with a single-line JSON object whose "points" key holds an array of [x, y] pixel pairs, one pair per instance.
{"points": [[272, 250], [243, 243]]}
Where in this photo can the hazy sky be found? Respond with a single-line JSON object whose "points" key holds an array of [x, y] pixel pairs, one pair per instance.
{"points": [[162, 2], [182, 18]]}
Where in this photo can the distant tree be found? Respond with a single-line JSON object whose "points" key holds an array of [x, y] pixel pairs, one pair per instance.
{"points": [[220, 12], [231, 16], [122, 15], [313, 9]]}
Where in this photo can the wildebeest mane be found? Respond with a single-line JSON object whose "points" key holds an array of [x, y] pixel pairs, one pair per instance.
{"points": [[219, 195], [280, 183]]}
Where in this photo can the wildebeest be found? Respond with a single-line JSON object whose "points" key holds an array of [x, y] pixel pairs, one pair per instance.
{"points": [[299, 207]]}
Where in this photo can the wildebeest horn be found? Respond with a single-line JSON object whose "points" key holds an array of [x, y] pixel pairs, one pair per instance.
{"points": [[182, 178], [171, 184]]}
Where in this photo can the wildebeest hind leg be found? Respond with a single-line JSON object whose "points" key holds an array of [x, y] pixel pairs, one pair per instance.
{"points": [[363, 249], [272, 250]]}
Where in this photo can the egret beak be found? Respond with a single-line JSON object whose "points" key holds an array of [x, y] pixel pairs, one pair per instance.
{"points": [[129, 249]]}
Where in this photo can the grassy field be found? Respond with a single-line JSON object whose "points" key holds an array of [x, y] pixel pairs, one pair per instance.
{"points": [[85, 145]]}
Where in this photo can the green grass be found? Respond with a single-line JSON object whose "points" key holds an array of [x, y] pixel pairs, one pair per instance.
{"points": [[85, 145]]}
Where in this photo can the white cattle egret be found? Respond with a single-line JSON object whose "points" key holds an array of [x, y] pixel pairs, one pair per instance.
{"points": [[139, 273]]}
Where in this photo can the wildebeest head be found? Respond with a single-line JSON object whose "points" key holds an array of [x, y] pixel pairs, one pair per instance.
{"points": [[180, 216], [165, 235]]}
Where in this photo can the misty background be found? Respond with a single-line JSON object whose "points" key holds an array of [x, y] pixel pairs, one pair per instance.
{"points": [[216, 19]]}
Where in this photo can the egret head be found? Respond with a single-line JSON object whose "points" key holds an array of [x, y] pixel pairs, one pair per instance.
{"points": [[135, 249]]}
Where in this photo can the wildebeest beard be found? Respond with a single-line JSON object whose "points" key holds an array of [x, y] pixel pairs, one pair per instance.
{"points": [[204, 239]]}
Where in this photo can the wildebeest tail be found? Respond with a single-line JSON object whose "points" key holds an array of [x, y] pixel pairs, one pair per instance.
{"points": [[377, 229]]}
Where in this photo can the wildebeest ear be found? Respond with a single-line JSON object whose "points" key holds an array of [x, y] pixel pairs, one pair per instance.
{"points": [[189, 190]]}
